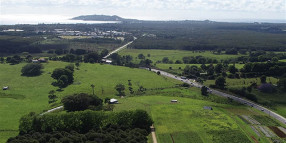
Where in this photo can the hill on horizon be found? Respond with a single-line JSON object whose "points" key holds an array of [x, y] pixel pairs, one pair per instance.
{"points": [[101, 18]]}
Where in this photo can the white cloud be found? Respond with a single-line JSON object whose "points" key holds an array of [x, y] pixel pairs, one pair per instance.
{"points": [[254, 8]]}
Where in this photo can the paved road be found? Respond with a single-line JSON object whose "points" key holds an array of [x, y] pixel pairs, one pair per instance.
{"points": [[52, 110], [118, 49], [216, 92]]}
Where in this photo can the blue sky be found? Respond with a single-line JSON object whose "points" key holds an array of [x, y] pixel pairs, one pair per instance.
{"points": [[148, 9]]}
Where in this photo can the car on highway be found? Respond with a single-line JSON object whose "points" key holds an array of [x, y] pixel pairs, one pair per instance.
{"points": [[262, 109]]}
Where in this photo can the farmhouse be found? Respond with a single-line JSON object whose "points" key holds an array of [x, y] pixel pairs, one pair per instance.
{"points": [[35, 61], [42, 60]]}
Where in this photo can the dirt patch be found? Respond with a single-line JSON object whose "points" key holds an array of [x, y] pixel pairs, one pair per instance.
{"points": [[277, 131], [254, 139]]}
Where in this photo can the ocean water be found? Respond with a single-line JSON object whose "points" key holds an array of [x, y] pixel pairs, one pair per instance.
{"points": [[44, 19]]}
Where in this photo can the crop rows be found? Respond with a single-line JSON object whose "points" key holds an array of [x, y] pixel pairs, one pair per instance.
{"points": [[251, 120]]}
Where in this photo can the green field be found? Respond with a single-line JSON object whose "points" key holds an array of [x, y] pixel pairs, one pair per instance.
{"points": [[30, 94], [158, 55], [187, 121]]}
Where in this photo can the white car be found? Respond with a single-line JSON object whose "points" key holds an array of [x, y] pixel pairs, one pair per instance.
{"points": [[5, 88]]}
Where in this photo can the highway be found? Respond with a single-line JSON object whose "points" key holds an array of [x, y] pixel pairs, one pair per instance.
{"points": [[118, 49], [219, 93]]}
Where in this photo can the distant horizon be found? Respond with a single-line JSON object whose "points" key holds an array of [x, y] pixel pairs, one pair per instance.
{"points": [[214, 10], [54, 19]]}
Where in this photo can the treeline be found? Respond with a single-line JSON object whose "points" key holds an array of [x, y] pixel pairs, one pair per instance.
{"points": [[182, 43], [208, 36], [274, 69], [15, 44], [84, 121], [108, 134], [261, 56], [98, 40]]}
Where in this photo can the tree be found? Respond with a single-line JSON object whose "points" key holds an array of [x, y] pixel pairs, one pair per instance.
{"points": [[120, 89], [142, 120], [282, 83], [141, 56], [80, 102], [57, 73], [92, 86], [263, 79], [232, 69], [32, 69], [92, 58], [63, 76], [178, 62], [2, 60], [146, 62], [220, 82], [158, 72], [77, 65], [70, 67], [104, 53], [52, 96], [165, 60], [62, 81], [218, 68], [204, 91], [249, 89]]}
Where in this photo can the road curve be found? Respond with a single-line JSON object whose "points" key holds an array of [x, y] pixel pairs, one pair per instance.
{"points": [[219, 93]]}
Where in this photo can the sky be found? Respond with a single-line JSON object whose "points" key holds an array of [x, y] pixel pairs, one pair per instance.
{"points": [[218, 10]]}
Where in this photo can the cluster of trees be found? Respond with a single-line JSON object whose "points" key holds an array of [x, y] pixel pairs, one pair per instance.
{"points": [[63, 76], [120, 88], [16, 59], [84, 121], [18, 44], [82, 101], [269, 69], [198, 60], [210, 71], [98, 40], [108, 134], [261, 56], [244, 92], [32, 69]]}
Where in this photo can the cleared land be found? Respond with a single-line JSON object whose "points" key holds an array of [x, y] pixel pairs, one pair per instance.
{"points": [[30, 94], [158, 55]]}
